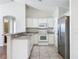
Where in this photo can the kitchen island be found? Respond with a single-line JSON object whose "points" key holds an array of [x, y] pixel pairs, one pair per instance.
{"points": [[19, 46]]}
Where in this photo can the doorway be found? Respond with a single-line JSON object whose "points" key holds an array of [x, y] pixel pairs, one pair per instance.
{"points": [[8, 26]]}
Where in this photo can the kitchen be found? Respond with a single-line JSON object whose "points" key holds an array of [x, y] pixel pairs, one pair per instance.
{"points": [[37, 31], [40, 35], [42, 27], [40, 22]]}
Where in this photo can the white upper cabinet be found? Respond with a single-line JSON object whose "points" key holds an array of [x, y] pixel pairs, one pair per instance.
{"points": [[29, 22], [51, 22], [35, 22], [32, 22], [42, 20]]}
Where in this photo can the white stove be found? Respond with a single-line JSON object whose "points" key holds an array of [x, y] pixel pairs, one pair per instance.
{"points": [[43, 37]]}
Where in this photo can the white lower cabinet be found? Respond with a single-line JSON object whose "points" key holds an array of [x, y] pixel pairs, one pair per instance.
{"points": [[35, 38], [51, 39], [21, 48]]}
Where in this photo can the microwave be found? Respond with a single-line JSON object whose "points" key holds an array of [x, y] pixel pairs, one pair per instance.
{"points": [[43, 25]]}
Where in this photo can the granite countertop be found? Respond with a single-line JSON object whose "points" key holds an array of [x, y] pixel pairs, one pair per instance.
{"points": [[23, 35], [22, 38]]}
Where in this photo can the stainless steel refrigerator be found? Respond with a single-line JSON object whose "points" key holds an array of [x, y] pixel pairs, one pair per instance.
{"points": [[63, 37]]}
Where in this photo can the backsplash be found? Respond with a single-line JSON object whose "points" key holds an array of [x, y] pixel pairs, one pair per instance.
{"points": [[37, 29]]}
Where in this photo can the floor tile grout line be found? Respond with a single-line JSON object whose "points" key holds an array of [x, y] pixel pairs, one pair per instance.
{"points": [[47, 53], [48, 50]]}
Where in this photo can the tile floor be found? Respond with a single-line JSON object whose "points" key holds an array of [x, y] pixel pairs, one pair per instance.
{"points": [[45, 52]]}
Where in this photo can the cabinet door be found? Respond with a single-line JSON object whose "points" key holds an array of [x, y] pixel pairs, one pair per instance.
{"points": [[50, 22], [35, 39], [29, 22], [42, 20], [51, 39], [20, 49], [35, 22]]}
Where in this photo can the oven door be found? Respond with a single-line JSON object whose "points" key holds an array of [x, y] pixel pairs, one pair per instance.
{"points": [[43, 38]]}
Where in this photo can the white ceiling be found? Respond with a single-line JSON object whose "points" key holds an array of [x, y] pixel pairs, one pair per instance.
{"points": [[43, 3], [48, 5], [5, 1]]}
